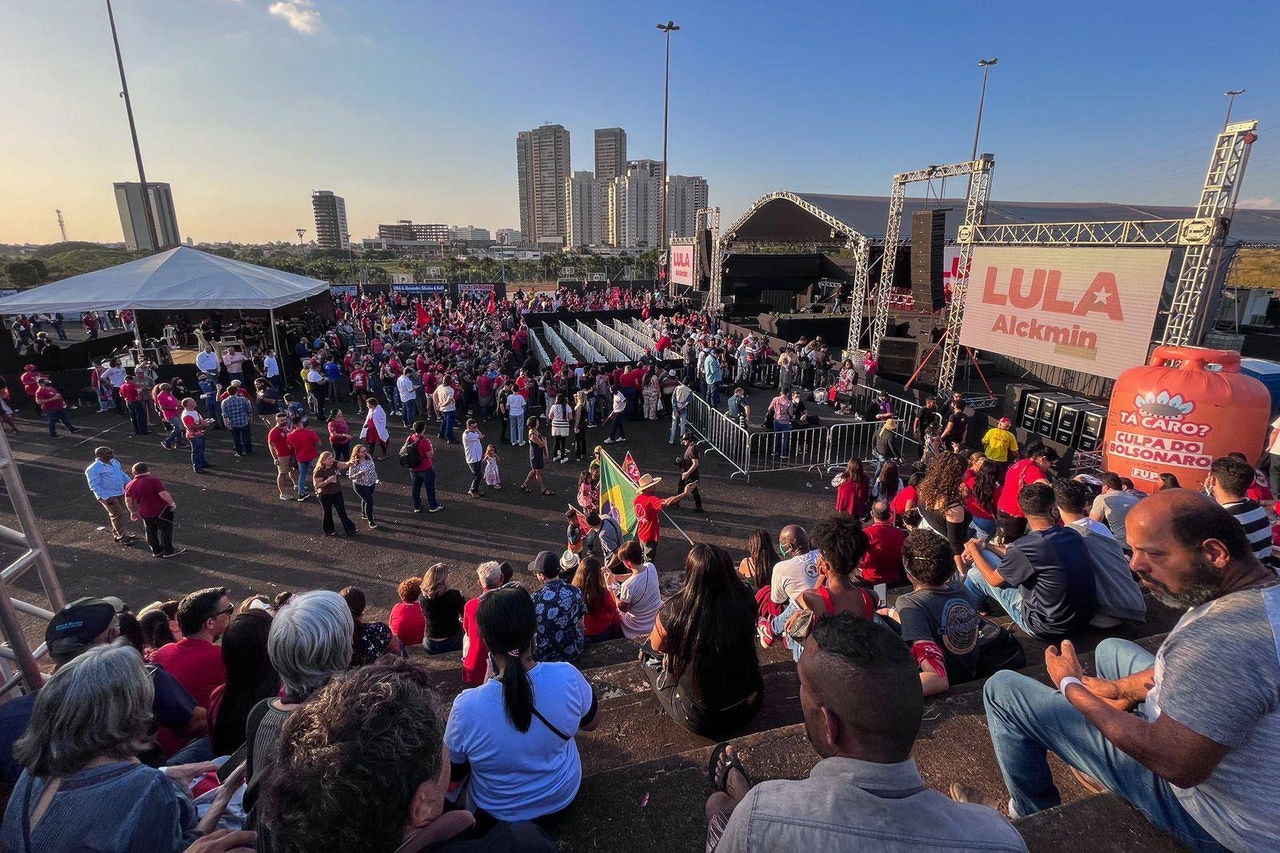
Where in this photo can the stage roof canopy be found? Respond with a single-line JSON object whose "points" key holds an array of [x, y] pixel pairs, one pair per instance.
{"points": [[174, 280], [787, 217]]}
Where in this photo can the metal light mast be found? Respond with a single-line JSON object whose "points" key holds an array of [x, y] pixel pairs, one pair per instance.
{"points": [[62, 225], [668, 28], [133, 132]]}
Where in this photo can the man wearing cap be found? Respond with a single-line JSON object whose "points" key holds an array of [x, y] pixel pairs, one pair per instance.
{"points": [[998, 442], [108, 481], [30, 379], [647, 508], [737, 408], [53, 406], [559, 607], [237, 412], [147, 499]]}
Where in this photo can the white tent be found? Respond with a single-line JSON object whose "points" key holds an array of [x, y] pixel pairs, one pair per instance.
{"points": [[175, 280]]}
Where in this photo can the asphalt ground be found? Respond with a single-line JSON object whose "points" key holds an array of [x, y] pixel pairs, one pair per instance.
{"points": [[238, 534]]}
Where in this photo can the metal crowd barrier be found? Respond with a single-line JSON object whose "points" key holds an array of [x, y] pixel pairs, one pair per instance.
{"points": [[570, 335], [904, 411], [726, 437], [601, 344], [790, 450], [852, 440]]}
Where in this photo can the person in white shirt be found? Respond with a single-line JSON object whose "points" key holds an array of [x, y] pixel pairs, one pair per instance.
{"points": [[208, 360], [515, 417], [797, 573], [639, 596], [448, 409], [616, 432], [473, 448], [408, 396], [271, 368], [319, 383]]}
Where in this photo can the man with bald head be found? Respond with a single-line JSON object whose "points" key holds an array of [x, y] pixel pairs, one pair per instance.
{"points": [[1189, 735], [799, 571], [860, 693]]}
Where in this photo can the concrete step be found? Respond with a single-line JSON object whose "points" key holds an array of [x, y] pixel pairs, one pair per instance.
{"points": [[1100, 823]]}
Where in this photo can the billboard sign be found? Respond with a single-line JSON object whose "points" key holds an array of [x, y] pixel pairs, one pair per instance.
{"points": [[418, 287], [682, 265], [1084, 309], [343, 289]]}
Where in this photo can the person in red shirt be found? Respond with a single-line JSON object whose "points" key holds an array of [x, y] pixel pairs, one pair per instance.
{"points": [[194, 660], [53, 407], [282, 455], [647, 508], [423, 475], [170, 409], [883, 561], [305, 445], [131, 393], [148, 500], [853, 489], [193, 426], [475, 658], [407, 621], [1024, 472], [30, 380]]}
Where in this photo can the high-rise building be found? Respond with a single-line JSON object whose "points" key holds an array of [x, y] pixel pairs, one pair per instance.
{"points": [[133, 216], [542, 165], [408, 231], [686, 195], [587, 198], [611, 152], [508, 237], [331, 220], [634, 199]]}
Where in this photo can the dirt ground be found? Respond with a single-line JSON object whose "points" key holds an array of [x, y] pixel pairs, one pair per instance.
{"points": [[238, 534]]}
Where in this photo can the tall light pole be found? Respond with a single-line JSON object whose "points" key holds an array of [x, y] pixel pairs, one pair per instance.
{"points": [[1231, 102], [133, 131], [985, 65], [668, 28]]}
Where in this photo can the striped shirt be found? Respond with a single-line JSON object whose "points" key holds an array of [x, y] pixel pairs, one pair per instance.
{"points": [[1257, 528]]}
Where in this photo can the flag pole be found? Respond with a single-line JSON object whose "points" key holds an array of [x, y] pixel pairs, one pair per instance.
{"points": [[677, 527]]}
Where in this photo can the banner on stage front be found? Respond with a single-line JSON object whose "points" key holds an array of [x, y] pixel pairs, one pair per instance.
{"points": [[1084, 309], [682, 265]]}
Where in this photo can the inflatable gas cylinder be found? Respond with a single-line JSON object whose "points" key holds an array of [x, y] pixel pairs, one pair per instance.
{"points": [[1186, 407]]}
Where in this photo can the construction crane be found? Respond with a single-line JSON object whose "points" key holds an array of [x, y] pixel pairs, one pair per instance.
{"points": [[62, 226], [300, 231]]}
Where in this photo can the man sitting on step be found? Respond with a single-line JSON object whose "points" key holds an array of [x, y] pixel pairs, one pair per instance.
{"points": [[860, 692], [1189, 735]]}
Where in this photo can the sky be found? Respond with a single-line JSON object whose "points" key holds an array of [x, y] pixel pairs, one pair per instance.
{"points": [[410, 108]]}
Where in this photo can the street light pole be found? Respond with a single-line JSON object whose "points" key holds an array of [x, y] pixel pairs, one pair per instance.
{"points": [[1231, 95], [985, 65], [133, 131], [667, 28]]}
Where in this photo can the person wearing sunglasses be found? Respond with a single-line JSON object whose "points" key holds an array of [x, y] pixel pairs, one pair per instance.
{"points": [[194, 660]]}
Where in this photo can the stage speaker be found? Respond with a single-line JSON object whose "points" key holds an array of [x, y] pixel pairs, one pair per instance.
{"points": [[901, 357], [928, 234], [1051, 405], [1093, 422], [1013, 399]]}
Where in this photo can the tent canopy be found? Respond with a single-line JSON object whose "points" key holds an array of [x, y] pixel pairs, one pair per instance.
{"points": [[174, 280]]}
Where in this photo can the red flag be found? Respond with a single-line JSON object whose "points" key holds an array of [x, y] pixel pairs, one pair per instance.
{"points": [[630, 468], [424, 319], [493, 301]]}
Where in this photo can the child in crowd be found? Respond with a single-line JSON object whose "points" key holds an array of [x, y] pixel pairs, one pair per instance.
{"points": [[492, 477], [588, 493], [573, 533]]}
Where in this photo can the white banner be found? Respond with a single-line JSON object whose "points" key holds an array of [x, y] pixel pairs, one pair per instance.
{"points": [[1084, 309], [682, 265]]}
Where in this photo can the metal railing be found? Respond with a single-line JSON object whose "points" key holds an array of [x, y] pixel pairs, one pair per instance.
{"points": [[726, 437], [851, 440], [571, 336], [602, 345], [904, 412], [790, 450]]}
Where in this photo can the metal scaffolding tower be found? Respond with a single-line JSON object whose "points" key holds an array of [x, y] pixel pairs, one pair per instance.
{"points": [[1213, 217], [18, 662]]}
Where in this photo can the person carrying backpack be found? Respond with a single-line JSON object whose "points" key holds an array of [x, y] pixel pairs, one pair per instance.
{"points": [[418, 455]]}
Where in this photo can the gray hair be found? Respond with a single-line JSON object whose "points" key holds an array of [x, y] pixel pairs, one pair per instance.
{"points": [[490, 574], [310, 641], [98, 704]]}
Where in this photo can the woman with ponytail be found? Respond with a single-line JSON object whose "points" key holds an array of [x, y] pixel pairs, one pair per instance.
{"points": [[511, 739]]}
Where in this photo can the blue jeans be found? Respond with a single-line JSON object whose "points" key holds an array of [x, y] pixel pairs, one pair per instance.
{"points": [[986, 526], [1010, 597], [54, 417], [591, 408], [424, 480], [679, 424], [447, 422], [517, 427], [175, 431], [409, 408], [1029, 719], [880, 460], [304, 476], [197, 453], [785, 429], [243, 438], [366, 500], [616, 429]]}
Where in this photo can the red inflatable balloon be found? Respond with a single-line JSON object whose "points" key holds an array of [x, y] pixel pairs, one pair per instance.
{"points": [[1186, 407]]}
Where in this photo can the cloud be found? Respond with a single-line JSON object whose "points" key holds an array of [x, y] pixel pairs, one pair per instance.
{"points": [[1265, 203], [302, 15]]}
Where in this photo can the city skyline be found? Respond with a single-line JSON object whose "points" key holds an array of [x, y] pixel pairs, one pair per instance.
{"points": [[245, 106]]}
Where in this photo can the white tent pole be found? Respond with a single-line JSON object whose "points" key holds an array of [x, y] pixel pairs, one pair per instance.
{"points": [[275, 345], [137, 336]]}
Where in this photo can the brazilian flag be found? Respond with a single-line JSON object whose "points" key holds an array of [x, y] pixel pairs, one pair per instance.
{"points": [[617, 495]]}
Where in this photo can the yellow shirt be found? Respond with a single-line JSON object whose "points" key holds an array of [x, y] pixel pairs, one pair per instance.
{"points": [[997, 443]]}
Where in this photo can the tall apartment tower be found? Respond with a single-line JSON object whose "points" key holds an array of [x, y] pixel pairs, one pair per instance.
{"points": [[331, 220], [686, 195], [542, 167], [611, 152], [586, 197], [634, 199], [133, 216]]}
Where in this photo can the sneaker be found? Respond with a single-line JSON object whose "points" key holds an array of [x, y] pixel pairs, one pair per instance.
{"points": [[968, 794], [173, 552], [287, 498], [373, 525], [434, 508], [418, 509], [765, 635], [306, 496], [608, 441]]}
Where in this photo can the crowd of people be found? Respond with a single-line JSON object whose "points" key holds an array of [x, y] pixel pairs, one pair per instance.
{"points": [[298, 721]]}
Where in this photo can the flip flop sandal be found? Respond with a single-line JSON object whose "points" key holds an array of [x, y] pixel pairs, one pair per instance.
{"points": [[721, 782]]}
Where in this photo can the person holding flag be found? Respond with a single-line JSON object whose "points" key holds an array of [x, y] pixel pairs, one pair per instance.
{"points": [[647, 507]]}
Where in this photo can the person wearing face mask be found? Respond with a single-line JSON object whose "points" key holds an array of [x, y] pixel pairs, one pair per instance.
{"points": [[798, 571]]}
